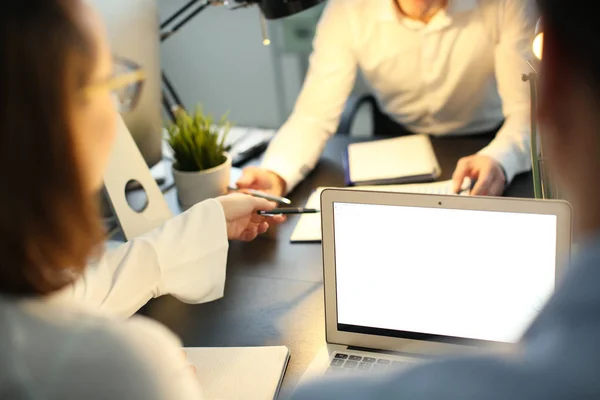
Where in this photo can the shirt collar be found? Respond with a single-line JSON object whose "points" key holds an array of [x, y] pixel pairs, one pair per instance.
{"points": [[388, 8]]}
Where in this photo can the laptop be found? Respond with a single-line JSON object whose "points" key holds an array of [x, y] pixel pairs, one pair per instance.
{"points": [[410, 277]]}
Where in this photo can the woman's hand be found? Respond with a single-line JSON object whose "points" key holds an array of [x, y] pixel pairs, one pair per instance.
{"points": [[243, 221]]}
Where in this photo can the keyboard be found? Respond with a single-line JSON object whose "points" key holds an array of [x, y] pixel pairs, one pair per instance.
{"points": [[344, 362], [247, 143]]}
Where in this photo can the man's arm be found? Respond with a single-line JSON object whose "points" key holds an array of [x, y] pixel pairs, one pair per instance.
{"points": [[484, 378], [511, 148], [300, 141]]}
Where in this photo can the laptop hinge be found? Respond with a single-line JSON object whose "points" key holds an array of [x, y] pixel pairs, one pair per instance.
{"points": [[388, 352]]}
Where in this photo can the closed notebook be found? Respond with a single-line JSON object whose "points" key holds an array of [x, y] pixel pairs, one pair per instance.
{"points": [[406, 159], [239, 373]]}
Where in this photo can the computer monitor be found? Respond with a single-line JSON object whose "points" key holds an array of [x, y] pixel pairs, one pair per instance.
{"points": [[133, 31]]}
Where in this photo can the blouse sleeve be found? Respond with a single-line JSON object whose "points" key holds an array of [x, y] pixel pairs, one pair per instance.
{"points": [[186, 258]]}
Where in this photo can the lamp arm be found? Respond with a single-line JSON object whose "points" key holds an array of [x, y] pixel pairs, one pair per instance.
{"points": [[164, 35], [269, 9]]}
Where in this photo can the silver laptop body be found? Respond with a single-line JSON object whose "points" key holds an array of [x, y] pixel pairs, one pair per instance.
{"points": [[410, 277]]}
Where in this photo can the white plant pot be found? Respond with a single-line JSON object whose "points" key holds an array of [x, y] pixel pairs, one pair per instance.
{"points": [[194, 187]]}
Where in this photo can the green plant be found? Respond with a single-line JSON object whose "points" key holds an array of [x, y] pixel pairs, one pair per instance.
{"points": [[198, 142]]}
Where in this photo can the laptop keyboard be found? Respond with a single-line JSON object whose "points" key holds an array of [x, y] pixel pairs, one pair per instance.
{"points": [[343, 362]]}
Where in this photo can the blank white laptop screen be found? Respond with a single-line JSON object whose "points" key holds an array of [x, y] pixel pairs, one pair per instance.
{"points": [[442, 274]]}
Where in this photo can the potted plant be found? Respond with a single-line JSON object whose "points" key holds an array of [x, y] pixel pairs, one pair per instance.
{"points": [[201, 164]]}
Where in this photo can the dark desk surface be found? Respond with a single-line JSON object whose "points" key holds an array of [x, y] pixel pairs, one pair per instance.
{"points": [[274, 291]]}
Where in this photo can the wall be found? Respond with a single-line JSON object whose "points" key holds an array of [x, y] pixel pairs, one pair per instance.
{"points": [[219, 59]]}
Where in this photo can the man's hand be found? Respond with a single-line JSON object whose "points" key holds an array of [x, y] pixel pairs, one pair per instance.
{"points": [[243, 221], [486, 171], [263, 180]]}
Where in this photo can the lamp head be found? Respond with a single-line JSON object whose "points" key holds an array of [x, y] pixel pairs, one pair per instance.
{"points": [[275, 9], [538, 40]]}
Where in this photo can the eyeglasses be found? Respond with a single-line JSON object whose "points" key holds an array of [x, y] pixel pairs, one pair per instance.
{"points": [[125, 84]]}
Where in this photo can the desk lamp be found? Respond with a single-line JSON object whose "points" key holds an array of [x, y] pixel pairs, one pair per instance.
{"points": [[269, 9], [543, 184]]}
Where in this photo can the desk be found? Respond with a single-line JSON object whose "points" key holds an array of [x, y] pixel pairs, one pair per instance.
{"points": [[274, 291]]}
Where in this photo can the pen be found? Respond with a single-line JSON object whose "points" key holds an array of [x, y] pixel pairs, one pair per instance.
{"points": [[466, 187], [263, 195], [287, 211]]}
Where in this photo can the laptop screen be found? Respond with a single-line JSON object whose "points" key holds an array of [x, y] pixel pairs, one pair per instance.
{"points": [[441, 274]]}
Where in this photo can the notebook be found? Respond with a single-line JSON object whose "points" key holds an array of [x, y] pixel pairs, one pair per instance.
{"points": [[308, 228], [232, 373], [406, 159]]}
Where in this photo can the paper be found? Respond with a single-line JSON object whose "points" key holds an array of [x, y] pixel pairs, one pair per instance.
{"points": [[308, 228], [234, 176], [232, 373], [403, 160]]}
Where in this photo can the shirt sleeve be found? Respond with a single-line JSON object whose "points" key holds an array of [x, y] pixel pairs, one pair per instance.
{"points": [[299, 143], [511, 147], [137, 359], [186, 258]]}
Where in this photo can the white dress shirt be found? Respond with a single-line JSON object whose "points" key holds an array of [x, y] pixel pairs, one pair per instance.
{"points": [[77, 344], [458, 74]]}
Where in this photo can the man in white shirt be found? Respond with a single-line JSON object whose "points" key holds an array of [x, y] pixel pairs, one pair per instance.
{"points": [[441, 67]]}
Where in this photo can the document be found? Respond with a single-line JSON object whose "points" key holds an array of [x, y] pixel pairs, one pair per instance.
{"points": [[239, 373], [308, 228]]}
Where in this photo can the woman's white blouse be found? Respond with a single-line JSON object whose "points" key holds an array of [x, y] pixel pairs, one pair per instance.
{"points": [[79, 343]]}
